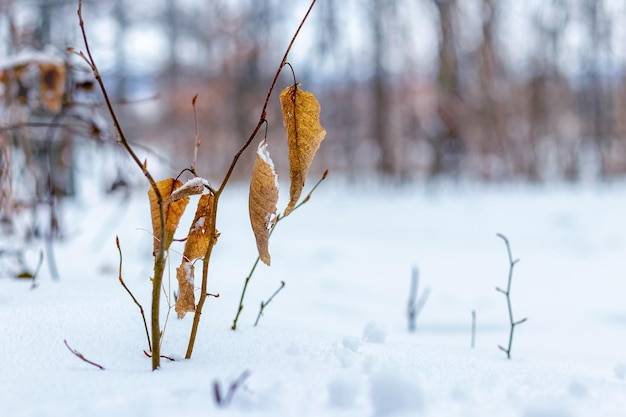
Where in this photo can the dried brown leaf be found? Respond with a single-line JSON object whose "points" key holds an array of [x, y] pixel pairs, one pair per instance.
{"points": [[262, 200], [172, 211], [52, 85], [200, 230], [301, 117], [186, 299], [194, 186]]}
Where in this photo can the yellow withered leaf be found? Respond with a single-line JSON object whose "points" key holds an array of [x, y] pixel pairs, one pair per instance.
{"points": [[52, 85], [301, 117], [172, 211], [195, 248], [186, 300], [200, 230], [262, 200]]}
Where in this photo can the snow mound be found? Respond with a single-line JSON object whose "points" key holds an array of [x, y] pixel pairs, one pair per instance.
{"points": [[343, 391], [392, 393], [374, 333]]}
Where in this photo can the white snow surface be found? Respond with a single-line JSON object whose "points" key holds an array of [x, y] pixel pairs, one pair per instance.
{"points": [[334, 341]]}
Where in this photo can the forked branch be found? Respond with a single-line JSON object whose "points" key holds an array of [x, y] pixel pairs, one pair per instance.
{"points": [[258, 259], [266, 303], [507, 294], [218, 192]]}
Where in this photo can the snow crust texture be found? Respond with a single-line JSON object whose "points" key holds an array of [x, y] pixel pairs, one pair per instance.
{"points": [[335, 342]]}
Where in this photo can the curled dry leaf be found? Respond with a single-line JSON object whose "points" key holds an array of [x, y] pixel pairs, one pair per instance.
{"points": [[185, 302], [194, 186], [172, 211], [262, 200], [301, 117], [195, 248], [200, 230]]}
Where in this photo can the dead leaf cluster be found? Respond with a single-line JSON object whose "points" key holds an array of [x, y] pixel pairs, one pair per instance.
{"points": [[301, 118]]}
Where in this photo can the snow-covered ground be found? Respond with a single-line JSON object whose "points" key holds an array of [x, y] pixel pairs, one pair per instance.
{"points": [[334, 342]]}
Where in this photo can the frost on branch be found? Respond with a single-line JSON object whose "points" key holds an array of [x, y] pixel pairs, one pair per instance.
{"points": [[262, 200], [301, 117]]}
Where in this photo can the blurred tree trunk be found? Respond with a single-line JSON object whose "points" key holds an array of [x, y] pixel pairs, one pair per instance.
{"points": [[121, 69], [172, 25], [492, 112], [380, 89], [447, 144], [599, 107]]}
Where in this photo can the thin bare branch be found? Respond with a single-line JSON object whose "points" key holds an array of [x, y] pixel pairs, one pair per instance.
{"points": [[81, 357], [159, 262], [263, 116], [269, 300], [143, 316]]}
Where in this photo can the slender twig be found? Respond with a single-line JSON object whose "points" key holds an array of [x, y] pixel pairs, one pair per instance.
{"points": [[223, 401], [143, 316], [51, 197], [256, 262], [411, 311], [473, 328], [197, 136], [218, 192], [159, 261], [267, 100], [81, 357], [266, 303], [163, 356], [415, 304], [33, 284], [507, 294]]}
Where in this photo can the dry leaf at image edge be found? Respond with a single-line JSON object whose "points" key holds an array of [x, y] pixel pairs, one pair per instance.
{"points": [[172, 211], [301, 117], [262, 200]]}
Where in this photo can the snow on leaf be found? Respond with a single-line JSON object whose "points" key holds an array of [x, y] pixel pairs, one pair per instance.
{"points": [[262, 200], [194, 186], [301, 117]]}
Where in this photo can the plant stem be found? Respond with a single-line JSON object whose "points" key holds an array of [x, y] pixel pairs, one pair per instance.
{"points": [[203, 290], [473, 328], [411, 311], [507, 294], [245, 286], [218, 192], [269, 300], [159, 261], [82, 357], [143, 316], [256, 262], [266, 103]]}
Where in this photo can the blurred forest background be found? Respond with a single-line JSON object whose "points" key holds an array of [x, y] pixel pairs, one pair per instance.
{"points": [[489, 90]]}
